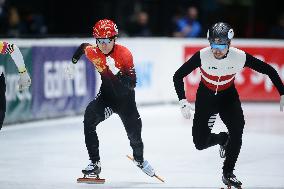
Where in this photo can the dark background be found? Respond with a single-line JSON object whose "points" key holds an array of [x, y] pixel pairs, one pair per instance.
{"points": [[62, 18]]}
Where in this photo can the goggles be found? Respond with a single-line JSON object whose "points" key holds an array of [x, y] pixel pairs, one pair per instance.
{"points": [[104, 40], [219, 46]]}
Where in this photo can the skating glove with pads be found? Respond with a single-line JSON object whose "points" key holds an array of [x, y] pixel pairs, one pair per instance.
{"points": [[127, 81], [79, 52], [24, 81], [70, 68], [185, 107], [281, 103]]}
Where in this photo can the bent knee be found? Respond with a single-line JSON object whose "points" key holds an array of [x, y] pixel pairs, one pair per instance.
{"points": [[92, 121], [199, 144]]}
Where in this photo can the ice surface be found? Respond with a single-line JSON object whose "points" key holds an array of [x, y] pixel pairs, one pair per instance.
{"points": [[50, 154]]}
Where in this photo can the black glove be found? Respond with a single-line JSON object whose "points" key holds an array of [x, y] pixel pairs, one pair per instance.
{"points": [[79, 52], [127, 81]]}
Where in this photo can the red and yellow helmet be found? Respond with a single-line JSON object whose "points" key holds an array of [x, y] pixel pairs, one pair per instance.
{"points": [[105, 29]]}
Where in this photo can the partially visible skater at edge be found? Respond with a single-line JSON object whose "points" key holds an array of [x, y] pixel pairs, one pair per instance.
{"points": [[217, 94], [24, 81]]}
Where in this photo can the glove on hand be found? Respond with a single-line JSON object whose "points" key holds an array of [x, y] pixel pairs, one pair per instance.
{"points": [[69, 71], [24, 81], [185, 107]]}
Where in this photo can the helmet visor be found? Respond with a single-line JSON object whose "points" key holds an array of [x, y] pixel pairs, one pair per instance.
{"points": [[219, 46], [104, 40]]}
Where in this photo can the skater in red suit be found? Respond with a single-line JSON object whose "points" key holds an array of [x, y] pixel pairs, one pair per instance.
{"points": [[24, 80], [114, 63], [217, 94]]}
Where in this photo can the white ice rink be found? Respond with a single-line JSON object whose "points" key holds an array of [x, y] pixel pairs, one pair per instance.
{"points": [[50, 154]]}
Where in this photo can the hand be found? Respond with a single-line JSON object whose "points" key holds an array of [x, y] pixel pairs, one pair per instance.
{"points": [[69, 71], [24, 81], [74, 60], [185, 107], [281, 103], [79, 52]]}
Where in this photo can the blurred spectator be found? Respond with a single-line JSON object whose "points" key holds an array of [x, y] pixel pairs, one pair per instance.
{"points": [[15, 25], [3, 16], [278, 30], [35, 24], [27, 24], [140, 26], [188, 26]]}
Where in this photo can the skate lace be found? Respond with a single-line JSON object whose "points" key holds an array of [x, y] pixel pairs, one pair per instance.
{"points": [[92, 165]]}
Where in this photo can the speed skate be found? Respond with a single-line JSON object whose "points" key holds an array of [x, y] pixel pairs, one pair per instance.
{"points": [[154, 175], [91, 179]]}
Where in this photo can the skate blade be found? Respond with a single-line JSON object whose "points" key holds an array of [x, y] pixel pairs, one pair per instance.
{"points": [[230, 187], [91, 180]]}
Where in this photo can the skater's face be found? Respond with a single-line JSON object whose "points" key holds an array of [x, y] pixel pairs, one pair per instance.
{"points": [[219, 54], [219, 50], [105, 44]]}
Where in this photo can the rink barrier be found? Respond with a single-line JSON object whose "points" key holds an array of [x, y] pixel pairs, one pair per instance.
{"points": [[156, 60]]}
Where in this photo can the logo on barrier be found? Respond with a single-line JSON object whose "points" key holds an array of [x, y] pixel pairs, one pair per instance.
{"points": [[56, 85]]}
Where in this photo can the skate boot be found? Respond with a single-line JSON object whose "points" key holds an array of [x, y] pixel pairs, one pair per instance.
{"points": [[92, 169], [91, 174], [223, 147], [230, 179], [145, 167]]}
